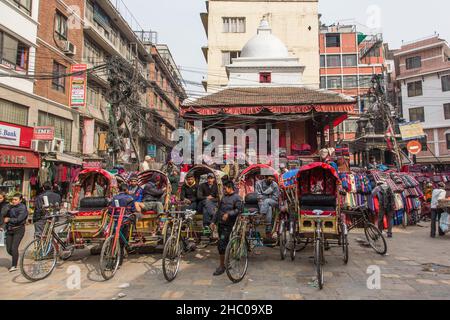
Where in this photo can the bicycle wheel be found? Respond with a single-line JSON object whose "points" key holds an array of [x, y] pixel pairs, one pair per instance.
{"points": [[167, 231], [171, 258], [110, 258], [236, 259], [344, 243], [38, 262], [376, 239], [283, 240], [318, 260]]}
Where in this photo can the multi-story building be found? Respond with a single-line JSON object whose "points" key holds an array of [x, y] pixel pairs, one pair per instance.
{"points": [[89, 32], [423, 70], [229, 25], [348, 61]]}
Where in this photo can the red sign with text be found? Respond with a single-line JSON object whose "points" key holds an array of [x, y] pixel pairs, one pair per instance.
{"points": [[15, 136], [44, 133], [12, 158]]}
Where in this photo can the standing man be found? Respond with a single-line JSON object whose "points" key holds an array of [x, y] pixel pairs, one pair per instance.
{"points": [[208, 198], [268, 196], [386, 204], [39, 211], [438, 194], [134, 189], [229, 209]]}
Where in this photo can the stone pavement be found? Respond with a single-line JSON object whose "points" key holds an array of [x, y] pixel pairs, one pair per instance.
{"points": [[416, 267]]}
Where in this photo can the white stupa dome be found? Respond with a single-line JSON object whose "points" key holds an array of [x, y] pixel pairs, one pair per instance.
{"points": [[264, 44]]}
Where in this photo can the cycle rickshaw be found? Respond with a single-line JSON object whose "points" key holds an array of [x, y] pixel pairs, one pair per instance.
{"points": [[126, 232], [85, 224], [316, 212]]}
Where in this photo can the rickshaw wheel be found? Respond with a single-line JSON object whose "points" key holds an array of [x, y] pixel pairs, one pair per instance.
{"points": [[344, 243], [38, 263], [376, 239], [283, 240], [109, 260], [167, 231], [237, 251], [318, 260], [171, 258]]}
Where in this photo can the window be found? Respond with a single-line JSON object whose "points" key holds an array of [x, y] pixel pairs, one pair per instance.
{"points": [[233, 25], [447, 111], [413, 63], [13, 113], [365, 81], [13, 53], [333, 40], [415, 89], [349, 60], [445, 83], [350, 81], [417, 114], [265, 77], [61, 26], [59, 83], [322, 62], [228, 56], [323, 82], [93, 97], [334, 82], [447, 137], [24, 5], [63, 127], [333, 61]]}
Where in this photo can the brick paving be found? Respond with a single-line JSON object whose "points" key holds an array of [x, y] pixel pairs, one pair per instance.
{"points": [[404, 275]]}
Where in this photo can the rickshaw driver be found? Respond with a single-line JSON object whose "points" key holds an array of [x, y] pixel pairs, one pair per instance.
{"points": [[152, 197], [230, 207], [268, 194]]}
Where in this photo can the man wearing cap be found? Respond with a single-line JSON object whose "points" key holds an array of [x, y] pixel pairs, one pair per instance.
{"points": [[438, 194], [386, 205], [134, 189], [208, 198], [268, 196]]}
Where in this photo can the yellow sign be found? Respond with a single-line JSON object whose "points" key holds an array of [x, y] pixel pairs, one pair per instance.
{"points": [[412, 131]]}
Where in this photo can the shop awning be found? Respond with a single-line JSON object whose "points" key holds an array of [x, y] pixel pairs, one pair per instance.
{"points": [[17, 158]]}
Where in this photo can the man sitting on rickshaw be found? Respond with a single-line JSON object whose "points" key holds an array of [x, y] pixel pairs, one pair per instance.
{"points": [[152, 197], [134, 189], [268, 194], [208, 197], [189, 192]]}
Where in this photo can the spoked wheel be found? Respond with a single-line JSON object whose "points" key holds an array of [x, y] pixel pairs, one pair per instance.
{"points": [[292, 245], [283, 240], [171, 258], [318, 261], [236, 259], [376, 239], [110, 258], [38, 260], [167, 231]]}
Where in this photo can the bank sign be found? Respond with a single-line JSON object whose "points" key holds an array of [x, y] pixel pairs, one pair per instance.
{"points": [[15, 136]]}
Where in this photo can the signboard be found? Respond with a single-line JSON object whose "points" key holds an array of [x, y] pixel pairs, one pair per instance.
{"points": [[412, 131], [44, 133], [78, 86], [10, 158], [92, 165], [414, 147], [151, 150], [15, 136]]}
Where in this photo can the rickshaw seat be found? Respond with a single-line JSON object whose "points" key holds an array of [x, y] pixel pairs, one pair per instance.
{"points": [[94, 203], [318, 207], [149, 213], [318, 200], [251, 199], [88, 213]]}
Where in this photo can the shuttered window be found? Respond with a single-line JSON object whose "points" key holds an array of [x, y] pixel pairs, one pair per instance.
{"points": [[63, 127], [13, 113]]}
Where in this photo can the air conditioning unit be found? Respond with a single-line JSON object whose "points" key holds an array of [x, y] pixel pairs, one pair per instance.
{"points": [[57, 146], [69, 48], [40, 146]]}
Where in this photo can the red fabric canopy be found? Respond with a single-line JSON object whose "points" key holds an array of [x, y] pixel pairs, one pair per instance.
{"points": [[324, 108], [322, 165]]}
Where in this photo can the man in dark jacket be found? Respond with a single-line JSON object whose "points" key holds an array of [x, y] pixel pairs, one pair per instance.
{"points": [[230, 207], [39, 211], [15, 220], [152, 197], [208, 198], [134, 189], [189, 192]]}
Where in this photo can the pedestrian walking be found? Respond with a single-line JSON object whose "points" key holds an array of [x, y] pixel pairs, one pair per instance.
{"points": [[53, 199], [438, 194], [15, 219]]}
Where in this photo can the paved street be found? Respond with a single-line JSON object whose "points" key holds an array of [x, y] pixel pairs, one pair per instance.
{"points": [[405, 275]]}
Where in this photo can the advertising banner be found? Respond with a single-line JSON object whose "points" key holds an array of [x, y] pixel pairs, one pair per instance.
{"points": [[78, 86]]}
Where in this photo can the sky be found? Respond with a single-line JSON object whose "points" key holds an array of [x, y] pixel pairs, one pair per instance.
{"points": [[179, 26]]}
